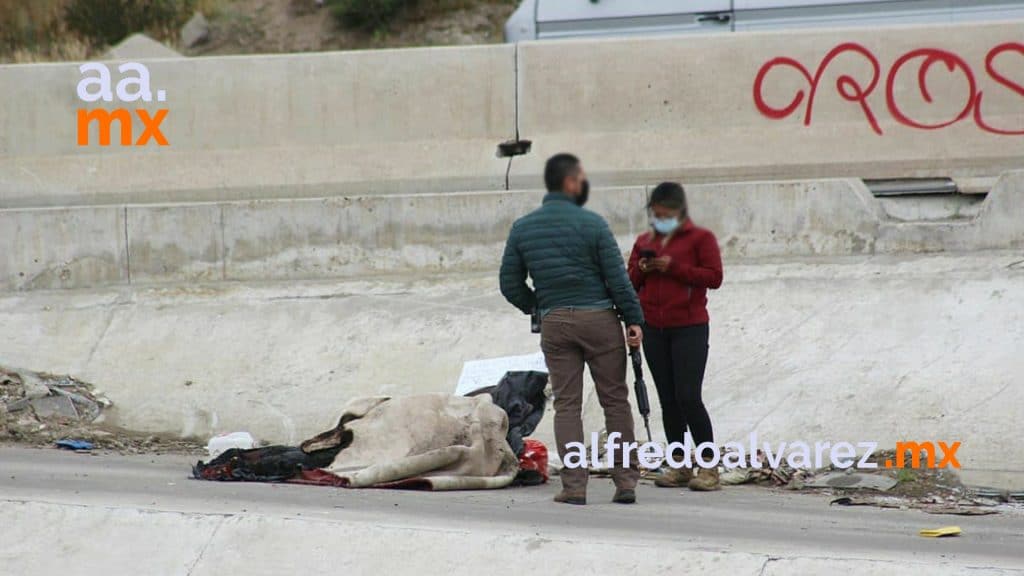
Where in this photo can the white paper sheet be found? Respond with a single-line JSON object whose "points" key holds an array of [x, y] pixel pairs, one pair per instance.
{"points": [[478, 374]]}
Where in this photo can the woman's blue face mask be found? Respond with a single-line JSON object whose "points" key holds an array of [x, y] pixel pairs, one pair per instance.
{"points": [[664, 225]]}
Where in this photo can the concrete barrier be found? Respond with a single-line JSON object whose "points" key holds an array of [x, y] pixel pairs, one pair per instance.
{"points": [[867, 103], [267, 126], [275, 239], [906, 102], [336, 237], [63, 247], [309, 238]]}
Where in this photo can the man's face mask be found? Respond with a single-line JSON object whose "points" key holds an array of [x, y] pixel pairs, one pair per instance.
{"points": [[664, 225], [581, 199]]}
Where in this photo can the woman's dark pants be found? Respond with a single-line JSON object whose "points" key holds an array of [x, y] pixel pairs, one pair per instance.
{"points": [[676, 358]]}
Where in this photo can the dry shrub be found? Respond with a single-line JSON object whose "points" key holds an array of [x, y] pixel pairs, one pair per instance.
{"points": [[28, 24], [110, 21], [66, 50]]}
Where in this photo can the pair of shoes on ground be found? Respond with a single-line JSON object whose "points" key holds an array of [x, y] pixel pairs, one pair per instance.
{"points": [[622, 496], [706, 479]]}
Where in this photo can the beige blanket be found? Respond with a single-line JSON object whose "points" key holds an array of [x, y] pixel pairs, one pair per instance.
{"points": [[432, 441]]}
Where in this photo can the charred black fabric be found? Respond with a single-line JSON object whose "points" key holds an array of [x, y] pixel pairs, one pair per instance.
{"points": [[528, 478], [269, 464], [521, 396]]}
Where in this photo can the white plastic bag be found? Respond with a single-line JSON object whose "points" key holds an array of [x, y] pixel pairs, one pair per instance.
{"points": [[224, 442]]}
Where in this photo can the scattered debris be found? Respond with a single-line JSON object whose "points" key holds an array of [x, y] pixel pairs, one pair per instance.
{"points": [[850, 501], [959, 508], [41, 409], [931, 490], [45, 397], [851, 479], [75, 445], [997, 495], [734, 476], [945, 531], [958, 511], [54, 406], [935, 491]]}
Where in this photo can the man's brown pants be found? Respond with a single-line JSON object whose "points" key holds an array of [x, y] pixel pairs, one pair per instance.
{"points": [[570, 338]]}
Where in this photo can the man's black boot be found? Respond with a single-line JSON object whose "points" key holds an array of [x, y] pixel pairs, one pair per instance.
{"points": [[624, 496]]}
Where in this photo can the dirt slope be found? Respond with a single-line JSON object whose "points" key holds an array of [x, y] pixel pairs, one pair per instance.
{"points": [[272, 26]]}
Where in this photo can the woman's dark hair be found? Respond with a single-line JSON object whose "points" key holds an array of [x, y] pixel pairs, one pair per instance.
{"points": [[670, 195]]}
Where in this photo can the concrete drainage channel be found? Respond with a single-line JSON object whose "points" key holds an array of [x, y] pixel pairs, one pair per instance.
{"points": [[791, 335], [161, 290]]}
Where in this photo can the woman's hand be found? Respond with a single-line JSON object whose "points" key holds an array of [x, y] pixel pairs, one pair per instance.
{"points": [[645, 265], [660, 264]]}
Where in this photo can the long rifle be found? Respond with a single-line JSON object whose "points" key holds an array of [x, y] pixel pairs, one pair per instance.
{"points": [[643, 403]]}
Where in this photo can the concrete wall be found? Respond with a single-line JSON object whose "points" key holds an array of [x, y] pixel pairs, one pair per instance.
{"points": [[352, 236], [268, 126], [692, 109], [429, 120]]}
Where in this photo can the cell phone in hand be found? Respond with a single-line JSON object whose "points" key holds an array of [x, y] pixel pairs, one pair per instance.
{"points": [[648, 254]]}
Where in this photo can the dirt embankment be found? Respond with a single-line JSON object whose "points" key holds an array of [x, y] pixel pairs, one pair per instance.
{"points": [[263, 27], [272, 26]]}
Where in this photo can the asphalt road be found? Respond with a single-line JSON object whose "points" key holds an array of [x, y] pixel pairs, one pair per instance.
{"points": [[737, 519]]}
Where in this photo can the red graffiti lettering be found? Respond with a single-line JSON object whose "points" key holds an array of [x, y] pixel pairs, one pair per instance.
{"points": [[846, 85], [852, 91], [931, 56], [1000, 78]]}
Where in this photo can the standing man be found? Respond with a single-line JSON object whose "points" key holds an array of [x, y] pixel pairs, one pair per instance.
{"points": [[578, 280]]}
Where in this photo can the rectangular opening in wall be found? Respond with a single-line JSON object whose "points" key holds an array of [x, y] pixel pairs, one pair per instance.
{"points": [[911, 186], [926, 199]]}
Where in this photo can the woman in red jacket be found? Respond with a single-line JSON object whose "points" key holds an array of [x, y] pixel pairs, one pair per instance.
{"points": [[672, 267]]}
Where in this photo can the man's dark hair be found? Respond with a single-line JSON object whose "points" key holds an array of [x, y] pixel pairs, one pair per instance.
{"points": [[670, 195], [558, 168]]}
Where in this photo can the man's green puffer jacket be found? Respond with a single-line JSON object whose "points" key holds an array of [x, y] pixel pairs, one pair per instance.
{"points": [[572, 258]]}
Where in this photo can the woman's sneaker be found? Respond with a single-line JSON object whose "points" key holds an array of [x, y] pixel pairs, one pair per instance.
{"points": [[673, 478], [706, 480]]}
